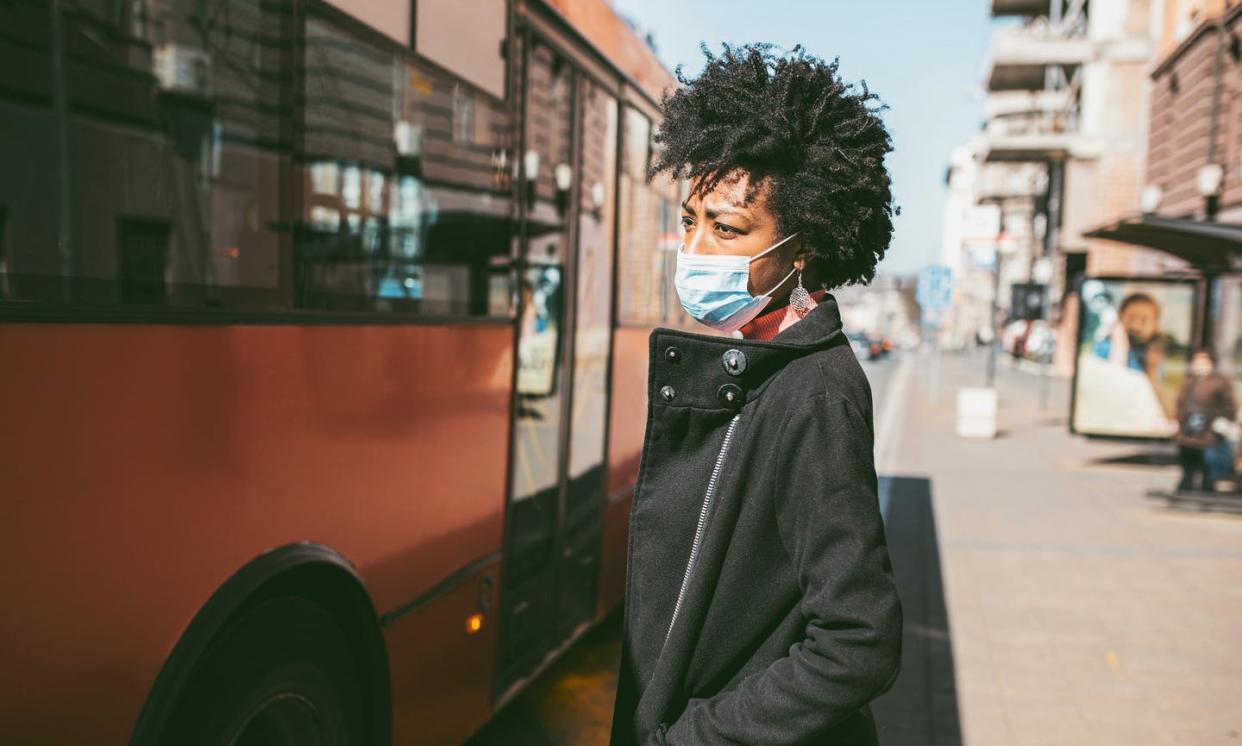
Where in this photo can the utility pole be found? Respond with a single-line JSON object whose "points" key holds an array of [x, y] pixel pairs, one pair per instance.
{"points": [[993, 311], [994, 307]]}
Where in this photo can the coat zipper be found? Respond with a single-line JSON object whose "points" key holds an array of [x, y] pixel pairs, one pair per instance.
{"points": [[701, 528]]}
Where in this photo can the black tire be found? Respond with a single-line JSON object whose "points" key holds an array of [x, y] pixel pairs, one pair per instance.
{"points": [[281, 674]]}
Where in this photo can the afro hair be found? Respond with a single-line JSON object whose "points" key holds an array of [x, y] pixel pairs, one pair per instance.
{"points": [[816, 143]]}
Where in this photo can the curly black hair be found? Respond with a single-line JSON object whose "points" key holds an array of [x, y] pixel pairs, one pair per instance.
{"points": [[816, 142]]}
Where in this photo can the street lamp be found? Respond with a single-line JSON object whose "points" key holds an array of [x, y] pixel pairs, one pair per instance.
{"points": [[564, 175], [1209, 179], [1150, 198], [530, 164], [530, 168]]}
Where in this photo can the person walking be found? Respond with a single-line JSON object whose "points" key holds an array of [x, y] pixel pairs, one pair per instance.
{"points": [[760, 602], [1207, 396]]}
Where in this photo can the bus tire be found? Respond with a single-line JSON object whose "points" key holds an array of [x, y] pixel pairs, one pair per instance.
{"points": [[282, 672]]}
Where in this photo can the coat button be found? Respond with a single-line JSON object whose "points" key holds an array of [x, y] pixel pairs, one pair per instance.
{"points": [[667, 393], [734, 362], [673, 355], [730, 396]]}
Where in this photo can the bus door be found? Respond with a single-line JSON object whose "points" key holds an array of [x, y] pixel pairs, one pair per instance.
{"points": [[590, 353], [552, 531]]}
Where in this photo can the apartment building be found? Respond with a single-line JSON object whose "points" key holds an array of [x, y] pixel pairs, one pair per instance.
{"points": [[1190, 207], [1064, 146]]}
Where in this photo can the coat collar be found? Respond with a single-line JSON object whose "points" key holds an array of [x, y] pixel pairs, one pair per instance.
{"points": [[721, 373]]}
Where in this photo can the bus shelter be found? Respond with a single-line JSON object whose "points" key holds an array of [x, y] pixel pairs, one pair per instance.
{"points": [[1136, 334]]}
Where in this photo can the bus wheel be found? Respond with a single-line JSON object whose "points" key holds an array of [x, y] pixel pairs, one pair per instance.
{"points": [[280, 674]]}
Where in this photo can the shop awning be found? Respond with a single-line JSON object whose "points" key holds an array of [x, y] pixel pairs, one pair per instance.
{"points": [[1207, 246]]}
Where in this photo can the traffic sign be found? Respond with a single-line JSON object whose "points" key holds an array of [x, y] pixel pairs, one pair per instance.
{"points": [[935, 288]]}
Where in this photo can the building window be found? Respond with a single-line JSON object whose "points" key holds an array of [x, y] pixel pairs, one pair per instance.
{"points": [[142, 254]]}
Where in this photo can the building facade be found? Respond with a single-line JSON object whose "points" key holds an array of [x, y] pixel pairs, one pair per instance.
{"points": [[1191, 204], [1196, 112], [1063, 150]]}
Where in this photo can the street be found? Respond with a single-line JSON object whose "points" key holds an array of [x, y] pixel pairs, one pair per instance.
{"points": [[1046, 599]]}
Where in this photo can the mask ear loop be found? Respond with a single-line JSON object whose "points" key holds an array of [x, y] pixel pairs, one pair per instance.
{"points": [[774, 247], [771, 248], [782, 282]]}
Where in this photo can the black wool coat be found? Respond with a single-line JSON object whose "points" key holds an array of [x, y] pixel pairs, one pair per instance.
{"points": [[760, 604]]}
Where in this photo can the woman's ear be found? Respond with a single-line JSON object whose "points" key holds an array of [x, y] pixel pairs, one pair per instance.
{"points": [[803, 258]]}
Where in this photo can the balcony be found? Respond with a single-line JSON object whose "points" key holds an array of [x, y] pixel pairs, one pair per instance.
{"points": [[1004, 181], [1033, 134], [1019, 103], [1025, 8], [1022, 57]]}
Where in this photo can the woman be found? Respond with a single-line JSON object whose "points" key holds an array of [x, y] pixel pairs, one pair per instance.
{"points": [[760, 603], [1207, 396]]}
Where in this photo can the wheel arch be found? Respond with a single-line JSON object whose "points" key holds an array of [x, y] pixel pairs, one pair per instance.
{"points": [[305, 568]]}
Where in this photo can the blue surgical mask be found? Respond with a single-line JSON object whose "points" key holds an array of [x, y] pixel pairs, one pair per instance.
{"points": [[714, 288]]}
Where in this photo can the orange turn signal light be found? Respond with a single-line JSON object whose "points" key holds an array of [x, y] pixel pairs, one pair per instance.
{"points": [[474, 623]]}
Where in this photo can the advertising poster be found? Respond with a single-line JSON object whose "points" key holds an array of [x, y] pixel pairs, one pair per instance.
{"points": [[539, 342], [1133, 345]]}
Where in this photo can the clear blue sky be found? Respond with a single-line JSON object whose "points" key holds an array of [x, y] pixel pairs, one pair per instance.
{"points": [[925, 59]]}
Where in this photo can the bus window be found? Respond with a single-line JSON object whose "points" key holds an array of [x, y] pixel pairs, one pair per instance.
{"points": [[407, 212], [146, 172], [650, 234], [591, 349], [180, 161]]}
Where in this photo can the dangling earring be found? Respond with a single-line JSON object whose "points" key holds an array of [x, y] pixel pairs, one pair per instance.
{"points": [[799, 299]]}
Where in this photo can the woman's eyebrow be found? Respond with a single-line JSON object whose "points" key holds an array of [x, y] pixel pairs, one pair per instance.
{"points": [[714, 211]]}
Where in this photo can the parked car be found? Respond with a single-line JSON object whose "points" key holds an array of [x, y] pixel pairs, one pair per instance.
{"points": [[1030, 340], [866, 348]]}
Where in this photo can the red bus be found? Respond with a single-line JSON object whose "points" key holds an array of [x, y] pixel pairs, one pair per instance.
{"points": [[323, 337]]}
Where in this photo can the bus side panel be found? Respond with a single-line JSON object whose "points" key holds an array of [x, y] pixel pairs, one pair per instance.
{"points": [[438, 662], [142, 465], [625, 444]]}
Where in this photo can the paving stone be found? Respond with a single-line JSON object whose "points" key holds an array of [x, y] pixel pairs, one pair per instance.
{"points": [[1079, 611]]}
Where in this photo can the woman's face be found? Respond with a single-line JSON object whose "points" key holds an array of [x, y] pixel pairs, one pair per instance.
{"points": [[1201, 364], [723, 222]]}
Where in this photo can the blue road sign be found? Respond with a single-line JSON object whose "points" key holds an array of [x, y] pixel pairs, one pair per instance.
{"points": [[935, 288]]}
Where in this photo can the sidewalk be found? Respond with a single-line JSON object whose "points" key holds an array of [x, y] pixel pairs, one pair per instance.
{"points": [[1048, 601]]}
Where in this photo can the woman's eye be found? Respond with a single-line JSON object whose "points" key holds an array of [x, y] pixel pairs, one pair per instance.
{"points": [[728, 230], [687, 222]]}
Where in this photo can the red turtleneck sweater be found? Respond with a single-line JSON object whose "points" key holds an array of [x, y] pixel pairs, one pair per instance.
{"points": [[767, 326]]}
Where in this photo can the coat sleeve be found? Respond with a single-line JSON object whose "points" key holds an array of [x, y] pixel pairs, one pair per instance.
{"points": [[1229, 403], [829, 519]]}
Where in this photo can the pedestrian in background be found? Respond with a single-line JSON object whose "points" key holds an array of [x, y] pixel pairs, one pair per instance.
{"points": [[760, 602], [1206, 398]]}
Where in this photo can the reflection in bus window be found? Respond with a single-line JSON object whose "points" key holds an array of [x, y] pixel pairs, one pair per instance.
{"points": [[593, 312], [4, 263], [650, 234], [181, 160], [424, 220], [540, 333], [142, 247]]}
